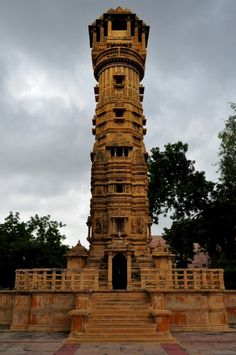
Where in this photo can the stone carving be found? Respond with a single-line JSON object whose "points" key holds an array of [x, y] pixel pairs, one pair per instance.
{"points": [[100, 156], [138, 157], [133, 226], [105, 225], [139, 225], [98, 225]]}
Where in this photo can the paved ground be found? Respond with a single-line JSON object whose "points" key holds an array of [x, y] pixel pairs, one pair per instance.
{"points": [[21, 343]]}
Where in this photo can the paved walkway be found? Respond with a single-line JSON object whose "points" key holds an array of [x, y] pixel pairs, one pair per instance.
{"points": [[21, 343]]}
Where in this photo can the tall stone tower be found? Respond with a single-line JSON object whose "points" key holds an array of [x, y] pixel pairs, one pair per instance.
{"points": [[121, 289], [119, 225]]}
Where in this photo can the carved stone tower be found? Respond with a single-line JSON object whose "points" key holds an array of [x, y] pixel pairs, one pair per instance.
{"points": [[121, 290], [119, 225]]}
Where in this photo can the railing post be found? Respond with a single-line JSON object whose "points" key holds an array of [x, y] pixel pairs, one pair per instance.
{"points": [[221, 279], [185, 283], [33, 285], [204, 279], [211, 279], [176, 285], [62, 286], [53, 281], [167, 279], [72, 280], [142, 281], [195, 286], [81, 281]]}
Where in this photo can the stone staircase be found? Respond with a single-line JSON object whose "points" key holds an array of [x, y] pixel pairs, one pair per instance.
{"points": [[120, 316]]}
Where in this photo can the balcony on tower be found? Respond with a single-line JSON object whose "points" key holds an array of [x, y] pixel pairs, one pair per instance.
{"points": [[118, 24], [116, 35]]}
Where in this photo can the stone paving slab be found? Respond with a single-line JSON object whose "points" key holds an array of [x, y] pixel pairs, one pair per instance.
{"points": [[30, 343], [189, 343], [120, 349], [205, 343]]}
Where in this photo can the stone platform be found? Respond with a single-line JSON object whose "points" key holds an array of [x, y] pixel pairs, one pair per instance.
{"points": [[34, 343]]}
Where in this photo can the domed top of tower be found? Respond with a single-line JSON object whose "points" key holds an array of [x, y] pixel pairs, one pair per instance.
{"points": [[119, 10], [118, 27]]}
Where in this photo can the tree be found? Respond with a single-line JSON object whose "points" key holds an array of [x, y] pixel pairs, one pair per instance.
{"points": [[176, 188], [174, 185], [221, 217], [180, 238], [32, 244], [227, 153], [202, 212]]}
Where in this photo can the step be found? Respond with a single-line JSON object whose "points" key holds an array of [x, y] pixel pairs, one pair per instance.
{"points": [[122, 302], [118, 308], [117, 305], [120, 330], [136, 324], [118, 317], [115, 293], [120, 299], [122, 338], [118, 311]]}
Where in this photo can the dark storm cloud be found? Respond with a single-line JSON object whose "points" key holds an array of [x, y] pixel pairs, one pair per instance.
{"points": [[46, 94]]}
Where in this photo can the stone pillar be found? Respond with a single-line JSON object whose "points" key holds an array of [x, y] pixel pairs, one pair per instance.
{"points": [[109, 271], [102, 32], [109, 27], [162, 316], [128, 27], [162, 319], [80, 314], [143, 40], [128, 271], [94, 38]]}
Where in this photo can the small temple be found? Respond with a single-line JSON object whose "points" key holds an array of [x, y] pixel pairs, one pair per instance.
{"points": [[123, 287]]}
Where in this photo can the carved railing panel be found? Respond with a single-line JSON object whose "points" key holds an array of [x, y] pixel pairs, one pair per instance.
{"points": [[92, 279], [185, 279], [55, 280]]}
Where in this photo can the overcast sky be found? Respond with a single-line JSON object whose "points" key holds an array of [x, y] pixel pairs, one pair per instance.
{"points": [[47, 101]]}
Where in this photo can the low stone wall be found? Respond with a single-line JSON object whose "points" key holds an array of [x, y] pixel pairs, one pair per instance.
{"points": [[49, 311], [6, 307], [42, 311], [196, 310], [230, 302]]}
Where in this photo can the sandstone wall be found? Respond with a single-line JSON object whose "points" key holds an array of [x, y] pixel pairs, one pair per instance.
{"points": [[6, 307], [195, 311], [42, 311], [230, 302], [48, 311]]}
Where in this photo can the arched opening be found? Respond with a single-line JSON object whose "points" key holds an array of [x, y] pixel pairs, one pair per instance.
{"points": [[119, 272]]}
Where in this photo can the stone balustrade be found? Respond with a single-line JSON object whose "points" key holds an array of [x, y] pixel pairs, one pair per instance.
{"points": [[54, 280], [73, 280], [183, 279]]}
